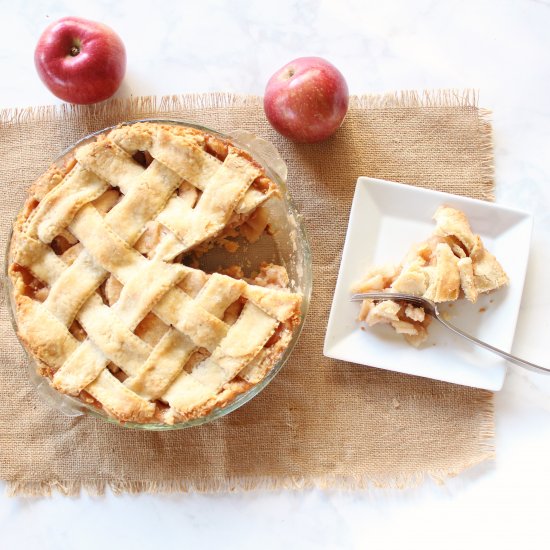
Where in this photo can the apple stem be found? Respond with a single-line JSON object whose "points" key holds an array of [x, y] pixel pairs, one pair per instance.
{"points": [[75, 50]]}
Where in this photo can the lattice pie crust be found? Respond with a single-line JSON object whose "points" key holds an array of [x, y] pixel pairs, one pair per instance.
{"points": [[104, 303]]}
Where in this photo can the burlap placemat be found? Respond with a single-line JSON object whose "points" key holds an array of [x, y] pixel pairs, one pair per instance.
{"points": [[321, 422]]}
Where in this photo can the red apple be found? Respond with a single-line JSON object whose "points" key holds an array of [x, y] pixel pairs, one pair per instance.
{"points": [[306, 100], [80, 61]]}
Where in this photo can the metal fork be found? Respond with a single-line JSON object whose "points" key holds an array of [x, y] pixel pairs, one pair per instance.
{"points": [[431, 308]]}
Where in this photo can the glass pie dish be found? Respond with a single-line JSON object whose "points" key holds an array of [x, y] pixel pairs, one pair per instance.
{"points": [[286, 245]]}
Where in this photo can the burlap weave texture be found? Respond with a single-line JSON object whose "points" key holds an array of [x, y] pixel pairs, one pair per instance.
{"points": [[320, 422]]}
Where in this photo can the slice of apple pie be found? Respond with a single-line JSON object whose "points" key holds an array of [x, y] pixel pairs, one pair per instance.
{"points": [[453, 262]]}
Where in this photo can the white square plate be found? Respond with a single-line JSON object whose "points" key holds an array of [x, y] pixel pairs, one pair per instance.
{"points": [[386, 219]]}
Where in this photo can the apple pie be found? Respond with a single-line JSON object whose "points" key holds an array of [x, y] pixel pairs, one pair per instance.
{"points": [[452, 263], [105, 300]]}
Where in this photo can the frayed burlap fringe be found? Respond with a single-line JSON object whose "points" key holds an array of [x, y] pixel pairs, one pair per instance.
{"points": [[138, 105], [486, 151], [236, 485], [216, 100], [413, 99]]}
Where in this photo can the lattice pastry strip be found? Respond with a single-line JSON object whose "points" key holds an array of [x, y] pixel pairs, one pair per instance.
{"points": [[165, 147], [220, 197], [155, 376], [194, 389], [55, 211]]}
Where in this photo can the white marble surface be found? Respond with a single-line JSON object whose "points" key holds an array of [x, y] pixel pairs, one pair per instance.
{"points": [[498, 46]]}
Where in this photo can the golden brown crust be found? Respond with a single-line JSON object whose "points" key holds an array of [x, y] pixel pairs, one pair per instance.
{"points": [[454, 223], [445, 278], [488, 273]]}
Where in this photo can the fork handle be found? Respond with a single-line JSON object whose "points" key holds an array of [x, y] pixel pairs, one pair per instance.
{"points": [[503, 354]]}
